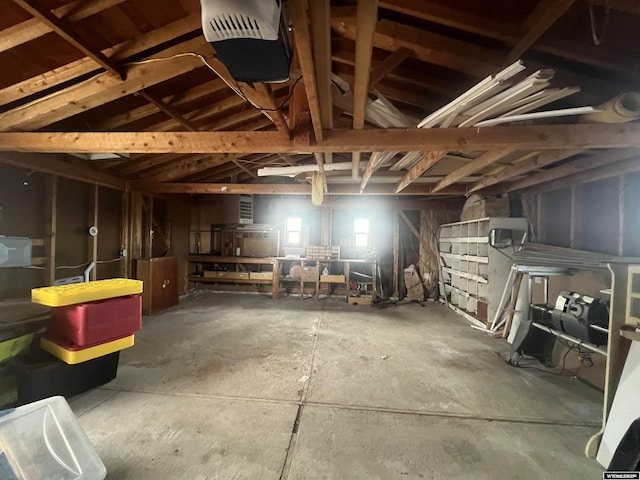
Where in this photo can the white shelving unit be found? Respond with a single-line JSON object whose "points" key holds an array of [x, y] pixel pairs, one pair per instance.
{"points": [[473, 273]]}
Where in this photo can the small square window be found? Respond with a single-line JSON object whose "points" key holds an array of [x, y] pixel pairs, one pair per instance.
{"points": [[361, 231], [293, 238], [362, 240], [361, 225], [293, 231]]}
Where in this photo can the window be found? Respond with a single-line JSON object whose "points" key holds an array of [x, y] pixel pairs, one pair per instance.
{"points": [[361, 228], [294, 231]]}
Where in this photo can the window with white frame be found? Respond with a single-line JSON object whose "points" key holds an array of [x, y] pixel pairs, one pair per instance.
{"points": [[362, 232], [293, 231]]}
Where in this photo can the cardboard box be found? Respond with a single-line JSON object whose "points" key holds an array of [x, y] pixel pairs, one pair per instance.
{"points": [[363, 300], [310, 274], [216, 274], [332, 278], [261, 275], [238, 275]]}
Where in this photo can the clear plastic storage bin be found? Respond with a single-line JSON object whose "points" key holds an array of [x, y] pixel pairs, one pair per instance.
{"points": [[44, 441]]}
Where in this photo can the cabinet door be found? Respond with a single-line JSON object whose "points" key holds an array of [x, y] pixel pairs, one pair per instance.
{"points": [[164, 276]]}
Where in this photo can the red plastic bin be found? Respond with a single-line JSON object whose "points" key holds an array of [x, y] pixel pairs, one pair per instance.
{"points": [[92, 323]]}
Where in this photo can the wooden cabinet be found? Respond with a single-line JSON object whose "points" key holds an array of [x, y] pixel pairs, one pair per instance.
{"points": [[160, 277]]}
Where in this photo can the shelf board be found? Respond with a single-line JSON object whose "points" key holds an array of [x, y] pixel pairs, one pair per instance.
{"points": [[219, 259], [468, 316], [483, 239], [198, 278], [470, 258], [635, 336], [467, 294], [470, 276]]}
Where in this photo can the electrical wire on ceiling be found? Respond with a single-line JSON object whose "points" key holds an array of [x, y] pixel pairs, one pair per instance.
{"points": [[236, 88]]}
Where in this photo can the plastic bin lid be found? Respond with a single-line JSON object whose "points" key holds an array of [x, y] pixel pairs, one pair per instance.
{"points": [[43, 440]]}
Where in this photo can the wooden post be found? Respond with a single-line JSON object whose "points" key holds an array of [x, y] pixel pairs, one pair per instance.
{"points": [[51, 226], [124, 235], [135, 229], [147, 240], [576, 218], [325, 229], [396, 246], [622, 185], [93, 222], [540, 218]]}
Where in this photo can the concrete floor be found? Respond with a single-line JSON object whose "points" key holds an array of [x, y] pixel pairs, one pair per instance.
{"points": [[214, 389]]}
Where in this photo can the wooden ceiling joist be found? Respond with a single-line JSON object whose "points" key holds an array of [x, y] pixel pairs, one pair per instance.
{"points": [[475, 165], [169, 110], [33, 28], [119, 53], [186, 167], [283, 189], [139, 164], [545, 14], [63, 167], [539, 161], [535, 137], [575, 167], [132, 115], [303, 43], [65, 31], [103, 88], [429, 159], [623, 167], [273, 112], [366, 26], [452, 17], [427, 46], [388, 65]]}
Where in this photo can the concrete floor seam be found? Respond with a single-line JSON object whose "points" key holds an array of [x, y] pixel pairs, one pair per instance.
{"points": [[459, 416], [275, 401], [286, 467]]}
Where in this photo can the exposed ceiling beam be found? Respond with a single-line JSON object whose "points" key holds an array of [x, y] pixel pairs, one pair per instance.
{"points": [[366, 27], [185, 167], [33, 28], [168, 110], [185, 97], [138, 164], [475, 165], [103, 88], [84, 66], [452, 17], [541, 160], [508, 33], [269, 102], [575, 167], [321, 30], [429, 159], [63, 167], [302, 35], [283, 189], [534, 137], [599, 173], [544, 15], [428, 47], [63, 30], [389, 64]]}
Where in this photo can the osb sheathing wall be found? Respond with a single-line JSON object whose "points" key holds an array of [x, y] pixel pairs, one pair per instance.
{"points": [[23, 203]]}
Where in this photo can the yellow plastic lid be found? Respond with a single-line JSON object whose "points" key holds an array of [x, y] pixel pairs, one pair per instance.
{"points": [[78, 356], [62, 295]]}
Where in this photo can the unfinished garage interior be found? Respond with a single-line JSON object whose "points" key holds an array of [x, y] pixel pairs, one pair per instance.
{"points": [[303, 239]]}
